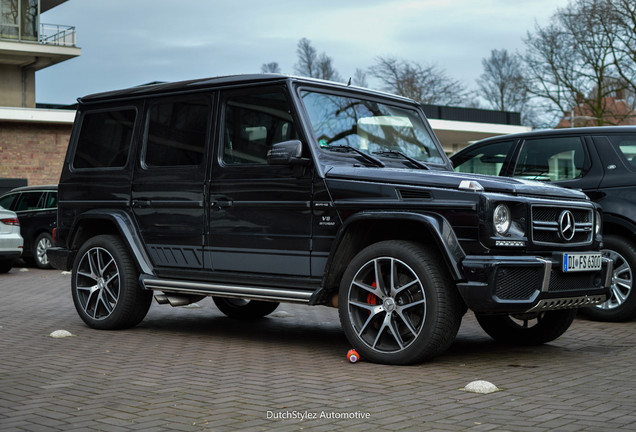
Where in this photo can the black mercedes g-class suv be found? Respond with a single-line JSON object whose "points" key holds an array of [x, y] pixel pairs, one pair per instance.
{"points": [[261, 189]]}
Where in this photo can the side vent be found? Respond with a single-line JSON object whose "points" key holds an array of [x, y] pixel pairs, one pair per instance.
{"points": [[409, 194]]}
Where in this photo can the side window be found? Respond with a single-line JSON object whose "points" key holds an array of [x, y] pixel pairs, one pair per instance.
{"points": [[29, 201], [51, 200], [626, 147], [485, 159], [7, 201], [104, 139], [551, 159], [177, 132], [252, 123]]}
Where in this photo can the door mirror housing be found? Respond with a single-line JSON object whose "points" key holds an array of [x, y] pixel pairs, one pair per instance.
{"points": [[285, 153]]}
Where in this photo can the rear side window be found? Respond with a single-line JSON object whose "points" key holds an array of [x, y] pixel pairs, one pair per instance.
{"points": [[626, 147], [7, 201], [177, 132], [30, 201], [485, 159], [551, 159], [104, 139]]}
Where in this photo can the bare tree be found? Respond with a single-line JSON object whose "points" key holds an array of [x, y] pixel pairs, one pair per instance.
{"points": [[314, 65], [502, 84], [425, 84], [271, 67], [307, 59], [618, 17], [360, 78], [569, 64]]}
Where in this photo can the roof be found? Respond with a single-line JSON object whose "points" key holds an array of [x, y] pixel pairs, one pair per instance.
{"points": [[211, 83], [32, 188], [595, 130]]}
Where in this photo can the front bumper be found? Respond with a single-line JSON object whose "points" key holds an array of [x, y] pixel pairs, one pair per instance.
{"points": [[518, 284]]}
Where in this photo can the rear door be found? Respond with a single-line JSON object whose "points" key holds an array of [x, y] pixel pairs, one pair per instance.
{"points": [[168, 181]]}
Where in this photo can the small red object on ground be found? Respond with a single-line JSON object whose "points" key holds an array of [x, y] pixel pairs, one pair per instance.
{"points": [[353, 356]]}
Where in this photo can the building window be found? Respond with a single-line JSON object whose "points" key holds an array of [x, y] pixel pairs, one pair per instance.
{"points": [[19, 19]]}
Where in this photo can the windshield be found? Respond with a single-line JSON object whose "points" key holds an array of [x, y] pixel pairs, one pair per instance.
{"points": [[371, 127]]}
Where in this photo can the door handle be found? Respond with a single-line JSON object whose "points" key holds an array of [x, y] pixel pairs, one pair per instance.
{"points": [[221, 203], [141, 203]]}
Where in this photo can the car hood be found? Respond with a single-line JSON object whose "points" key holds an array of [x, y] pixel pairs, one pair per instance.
{"points": [[451, 179]]}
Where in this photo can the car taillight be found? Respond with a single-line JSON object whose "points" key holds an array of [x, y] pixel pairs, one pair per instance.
{"points": [[10, 221]]}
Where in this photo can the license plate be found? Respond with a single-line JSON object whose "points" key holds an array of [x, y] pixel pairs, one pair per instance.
{"points": [[577, 262]]}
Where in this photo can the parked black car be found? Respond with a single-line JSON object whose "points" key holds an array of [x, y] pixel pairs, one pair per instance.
{"points": [[259, 189], [36, 207], [601, 161]]}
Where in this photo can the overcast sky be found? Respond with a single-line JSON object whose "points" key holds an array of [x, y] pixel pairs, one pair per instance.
{"points": [[130, 42]]}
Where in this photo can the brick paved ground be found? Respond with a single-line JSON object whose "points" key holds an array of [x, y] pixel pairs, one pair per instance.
{"points": [[191, 369]]}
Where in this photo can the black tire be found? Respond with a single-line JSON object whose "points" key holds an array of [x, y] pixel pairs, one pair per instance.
{"points": [[244, 309], [5, 266], [41, 244], [622, 304], [412, 315], [105, 286], [527, 329]]}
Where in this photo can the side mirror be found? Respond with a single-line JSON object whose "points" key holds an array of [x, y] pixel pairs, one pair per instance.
{"points": [[283, 153]]}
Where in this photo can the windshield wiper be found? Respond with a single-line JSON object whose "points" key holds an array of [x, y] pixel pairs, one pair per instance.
{"points": [[375, 161], [415, 162]]}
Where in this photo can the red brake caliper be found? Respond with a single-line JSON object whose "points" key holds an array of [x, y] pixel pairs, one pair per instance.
{"points": [[372, 298]]}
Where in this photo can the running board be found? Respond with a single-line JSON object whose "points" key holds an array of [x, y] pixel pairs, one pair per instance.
{"points": [[225, 290]]}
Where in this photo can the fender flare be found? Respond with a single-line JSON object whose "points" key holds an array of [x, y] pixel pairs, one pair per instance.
{"points": [[436, 225], [127, 230]]}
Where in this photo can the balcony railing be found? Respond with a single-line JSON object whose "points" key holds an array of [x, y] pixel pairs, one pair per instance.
{"points": [[55, 34]]}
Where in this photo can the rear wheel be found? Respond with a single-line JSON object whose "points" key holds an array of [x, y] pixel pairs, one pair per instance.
{"points": [[105, 286], [527, 329], [41, 244], [397, 304], [244, 309]]}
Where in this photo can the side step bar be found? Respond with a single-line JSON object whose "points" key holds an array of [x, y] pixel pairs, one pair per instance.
{"points": [[225, 290]]}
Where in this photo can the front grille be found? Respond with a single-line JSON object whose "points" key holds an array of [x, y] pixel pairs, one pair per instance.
{"points": [[546, 229], [517, 283]]}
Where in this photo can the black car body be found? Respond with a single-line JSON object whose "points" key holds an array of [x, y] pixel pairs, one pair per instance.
{"points": [[36, 207], [259, 189], [600, 161]]}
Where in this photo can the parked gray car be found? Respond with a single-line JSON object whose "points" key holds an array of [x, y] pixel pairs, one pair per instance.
{"points": [[10, 239]]}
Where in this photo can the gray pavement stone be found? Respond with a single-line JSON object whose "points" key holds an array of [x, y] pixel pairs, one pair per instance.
{"points": [[192, 369]]}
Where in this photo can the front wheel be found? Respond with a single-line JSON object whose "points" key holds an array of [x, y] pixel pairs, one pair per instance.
{"points": [[105, 286], [397, 304], [621, 305], [244, 309], [527, 329]]}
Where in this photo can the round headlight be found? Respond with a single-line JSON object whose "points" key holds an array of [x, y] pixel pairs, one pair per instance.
{"points": [[502, 219], [599, 223]]}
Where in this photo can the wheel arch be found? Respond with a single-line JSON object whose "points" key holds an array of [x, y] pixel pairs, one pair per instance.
{"points": [[620, 226], [366, 228], [116, 222]]}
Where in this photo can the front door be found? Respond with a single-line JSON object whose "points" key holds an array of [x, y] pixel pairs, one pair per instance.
{"points": [[260, 214]]}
